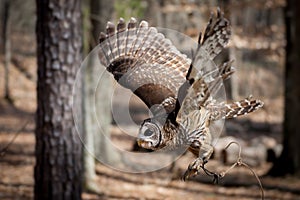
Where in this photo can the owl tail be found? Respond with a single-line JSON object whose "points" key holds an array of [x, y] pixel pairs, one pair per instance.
{"points": [[242, 107], [234, 109]]}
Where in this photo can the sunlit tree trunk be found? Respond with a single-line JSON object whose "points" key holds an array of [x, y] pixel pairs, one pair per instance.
{"points": [[234, 55], [58, 149], [96, 145]]}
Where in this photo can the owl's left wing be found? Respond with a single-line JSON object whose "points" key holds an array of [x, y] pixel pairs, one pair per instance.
{"points": [[144, 61]]}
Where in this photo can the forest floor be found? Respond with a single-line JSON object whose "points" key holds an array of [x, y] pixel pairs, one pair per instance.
{"points": [[17, 165]]}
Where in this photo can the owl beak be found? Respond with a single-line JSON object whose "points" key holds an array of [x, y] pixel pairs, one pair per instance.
{"points": [[140, 142], [144, 144]]}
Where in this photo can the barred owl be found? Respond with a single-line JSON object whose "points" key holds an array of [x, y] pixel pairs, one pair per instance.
{"points": [[179, 91]]}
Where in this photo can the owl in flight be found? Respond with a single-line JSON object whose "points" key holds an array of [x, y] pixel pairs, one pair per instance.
{"points": [[180, 92]]}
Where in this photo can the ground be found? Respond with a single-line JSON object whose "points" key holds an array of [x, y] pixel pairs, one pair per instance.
{"points": [[17, 181]]}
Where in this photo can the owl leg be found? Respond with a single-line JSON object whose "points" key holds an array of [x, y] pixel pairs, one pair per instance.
{"points": [[195, 167]]}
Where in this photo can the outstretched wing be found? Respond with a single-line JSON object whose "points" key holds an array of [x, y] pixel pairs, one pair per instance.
{"points": [[204, 78], [203, 91], [144, 61], [213, 41]]}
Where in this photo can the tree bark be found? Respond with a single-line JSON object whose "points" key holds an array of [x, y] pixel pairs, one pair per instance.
{"points": [[58, 149], [6, 47], [289, 161]]}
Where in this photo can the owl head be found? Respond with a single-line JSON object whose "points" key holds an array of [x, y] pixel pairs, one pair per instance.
{"points": [[150, 133]]}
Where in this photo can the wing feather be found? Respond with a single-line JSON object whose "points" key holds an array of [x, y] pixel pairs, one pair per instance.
{"points": [[143, 60], [204, 78], [211, 43]]}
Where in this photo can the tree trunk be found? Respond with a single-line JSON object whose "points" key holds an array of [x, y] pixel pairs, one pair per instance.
{"points": [[233, 55], [289, 161], [2, 10], [100, 12], [6, 47], [58, 147], [154, 14]]}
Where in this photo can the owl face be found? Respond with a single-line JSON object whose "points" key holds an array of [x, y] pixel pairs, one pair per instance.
{"points": [[150, 135]]}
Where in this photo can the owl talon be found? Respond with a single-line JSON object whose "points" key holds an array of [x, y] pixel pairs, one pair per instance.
{"points": [[193, 169]]}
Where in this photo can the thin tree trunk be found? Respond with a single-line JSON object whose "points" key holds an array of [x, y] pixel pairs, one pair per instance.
{"points": [[58, 147], [96, 143], [6, 47], [1, 25], [101, 12], [233, 55], [154, 14], [90, 128]]}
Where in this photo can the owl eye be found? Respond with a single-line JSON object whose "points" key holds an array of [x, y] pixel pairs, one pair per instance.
{"points": [[148, 132]]}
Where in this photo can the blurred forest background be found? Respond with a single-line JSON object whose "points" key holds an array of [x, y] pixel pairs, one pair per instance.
{"points": [[41, 157]]}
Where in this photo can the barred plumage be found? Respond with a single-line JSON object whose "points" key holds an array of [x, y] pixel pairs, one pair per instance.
{"points": [[179, 91], [143, 60], [242, 107]]}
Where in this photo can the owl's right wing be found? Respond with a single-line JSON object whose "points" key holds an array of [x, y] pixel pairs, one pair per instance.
{"points": [[204, 78], [144, 61]]}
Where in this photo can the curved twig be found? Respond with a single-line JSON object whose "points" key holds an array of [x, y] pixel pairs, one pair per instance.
{"points": [[257, 178], [239, 162]]}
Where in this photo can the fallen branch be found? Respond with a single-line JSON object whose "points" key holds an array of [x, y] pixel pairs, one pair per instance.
{"points": [[17, 62], [4, 149]]}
